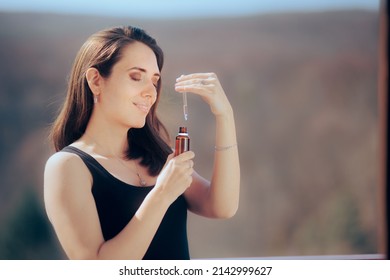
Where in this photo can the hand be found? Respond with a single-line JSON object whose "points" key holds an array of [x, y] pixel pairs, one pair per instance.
{"points": [[208, 87], [176, 176]]}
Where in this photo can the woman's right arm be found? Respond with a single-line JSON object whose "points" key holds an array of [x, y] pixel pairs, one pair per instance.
{"points": [[71, 208]]}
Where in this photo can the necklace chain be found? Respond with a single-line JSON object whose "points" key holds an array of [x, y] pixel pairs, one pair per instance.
{"points": [[142, 182]]}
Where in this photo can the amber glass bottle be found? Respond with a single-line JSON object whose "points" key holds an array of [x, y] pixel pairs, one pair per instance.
{"points": [[182, 141]]}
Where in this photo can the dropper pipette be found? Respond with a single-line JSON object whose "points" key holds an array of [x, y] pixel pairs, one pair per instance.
{"points": [[185, 106]]}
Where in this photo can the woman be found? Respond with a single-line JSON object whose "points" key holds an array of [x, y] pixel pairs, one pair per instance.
{"points": [[113, 189]]}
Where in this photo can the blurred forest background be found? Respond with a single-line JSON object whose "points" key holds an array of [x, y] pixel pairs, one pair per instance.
{"points": [[304, 90]]}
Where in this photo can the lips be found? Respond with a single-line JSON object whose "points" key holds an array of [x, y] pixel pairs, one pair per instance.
{"points": [[142, 107]]}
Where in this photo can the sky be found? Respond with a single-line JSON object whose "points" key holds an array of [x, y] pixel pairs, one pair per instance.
{"points": [[179, 8]]}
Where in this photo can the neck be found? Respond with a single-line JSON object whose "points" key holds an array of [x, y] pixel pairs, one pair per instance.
{"points": [[98, 143], [107, 142]]}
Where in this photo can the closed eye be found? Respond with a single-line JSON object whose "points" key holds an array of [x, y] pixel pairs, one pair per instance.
{"points": [[140, 76], [136, 77]]}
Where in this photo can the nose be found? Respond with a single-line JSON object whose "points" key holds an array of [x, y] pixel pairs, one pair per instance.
{"points": [[150, 91]]}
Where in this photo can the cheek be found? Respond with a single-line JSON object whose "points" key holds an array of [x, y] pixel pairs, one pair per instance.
{"points": [[155, 97]]}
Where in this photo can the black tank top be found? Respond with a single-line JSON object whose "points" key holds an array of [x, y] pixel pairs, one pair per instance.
{"points": [[117, 202]]}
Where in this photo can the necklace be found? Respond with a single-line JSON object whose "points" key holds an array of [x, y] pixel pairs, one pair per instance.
{"points": [[142, 182]]}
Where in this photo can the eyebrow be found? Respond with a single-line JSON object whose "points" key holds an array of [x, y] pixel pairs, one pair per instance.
{"points": [[144, 71]]}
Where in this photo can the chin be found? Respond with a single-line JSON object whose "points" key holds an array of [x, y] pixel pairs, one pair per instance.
{"points": [[140, 124]]}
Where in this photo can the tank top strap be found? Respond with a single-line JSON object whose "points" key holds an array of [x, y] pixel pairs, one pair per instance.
{"points": [[92, 164]]}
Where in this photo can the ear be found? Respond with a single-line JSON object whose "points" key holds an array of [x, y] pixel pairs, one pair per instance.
{"points": [[94, 80]]}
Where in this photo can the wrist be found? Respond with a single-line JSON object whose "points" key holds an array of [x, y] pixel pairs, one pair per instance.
{"points": [[226, 115], [158, 197]]}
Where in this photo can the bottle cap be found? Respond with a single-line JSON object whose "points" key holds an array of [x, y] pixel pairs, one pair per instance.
{"points": [[182, 129]]}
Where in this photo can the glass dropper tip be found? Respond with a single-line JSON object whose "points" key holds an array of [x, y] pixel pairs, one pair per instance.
{"points": [[185, 106]]}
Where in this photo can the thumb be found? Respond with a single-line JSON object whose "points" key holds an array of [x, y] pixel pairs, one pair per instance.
{"points": [[170, 156]]}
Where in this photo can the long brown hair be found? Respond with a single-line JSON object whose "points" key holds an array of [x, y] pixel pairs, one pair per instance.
{"points": [[101, 51]]}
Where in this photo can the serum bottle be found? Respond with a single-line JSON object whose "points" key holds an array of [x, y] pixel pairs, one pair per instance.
{"points": [[182, 143]]}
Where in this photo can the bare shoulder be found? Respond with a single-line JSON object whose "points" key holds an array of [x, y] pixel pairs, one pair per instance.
{"points": [[63, 160], [64, 168]]}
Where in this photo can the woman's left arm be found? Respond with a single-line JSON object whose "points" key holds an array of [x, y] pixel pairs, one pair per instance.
{"points": [[218, 198]]}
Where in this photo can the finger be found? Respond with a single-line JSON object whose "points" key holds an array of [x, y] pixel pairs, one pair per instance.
{"points": [[170, 156], [196, 76], [199, 89], [198, 86], [185, 156], [189, 173], [189, 181], [189, 164], [196, 81]]}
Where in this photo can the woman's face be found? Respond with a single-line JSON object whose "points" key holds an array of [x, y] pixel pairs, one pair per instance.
{"points": [[131, 90]]}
